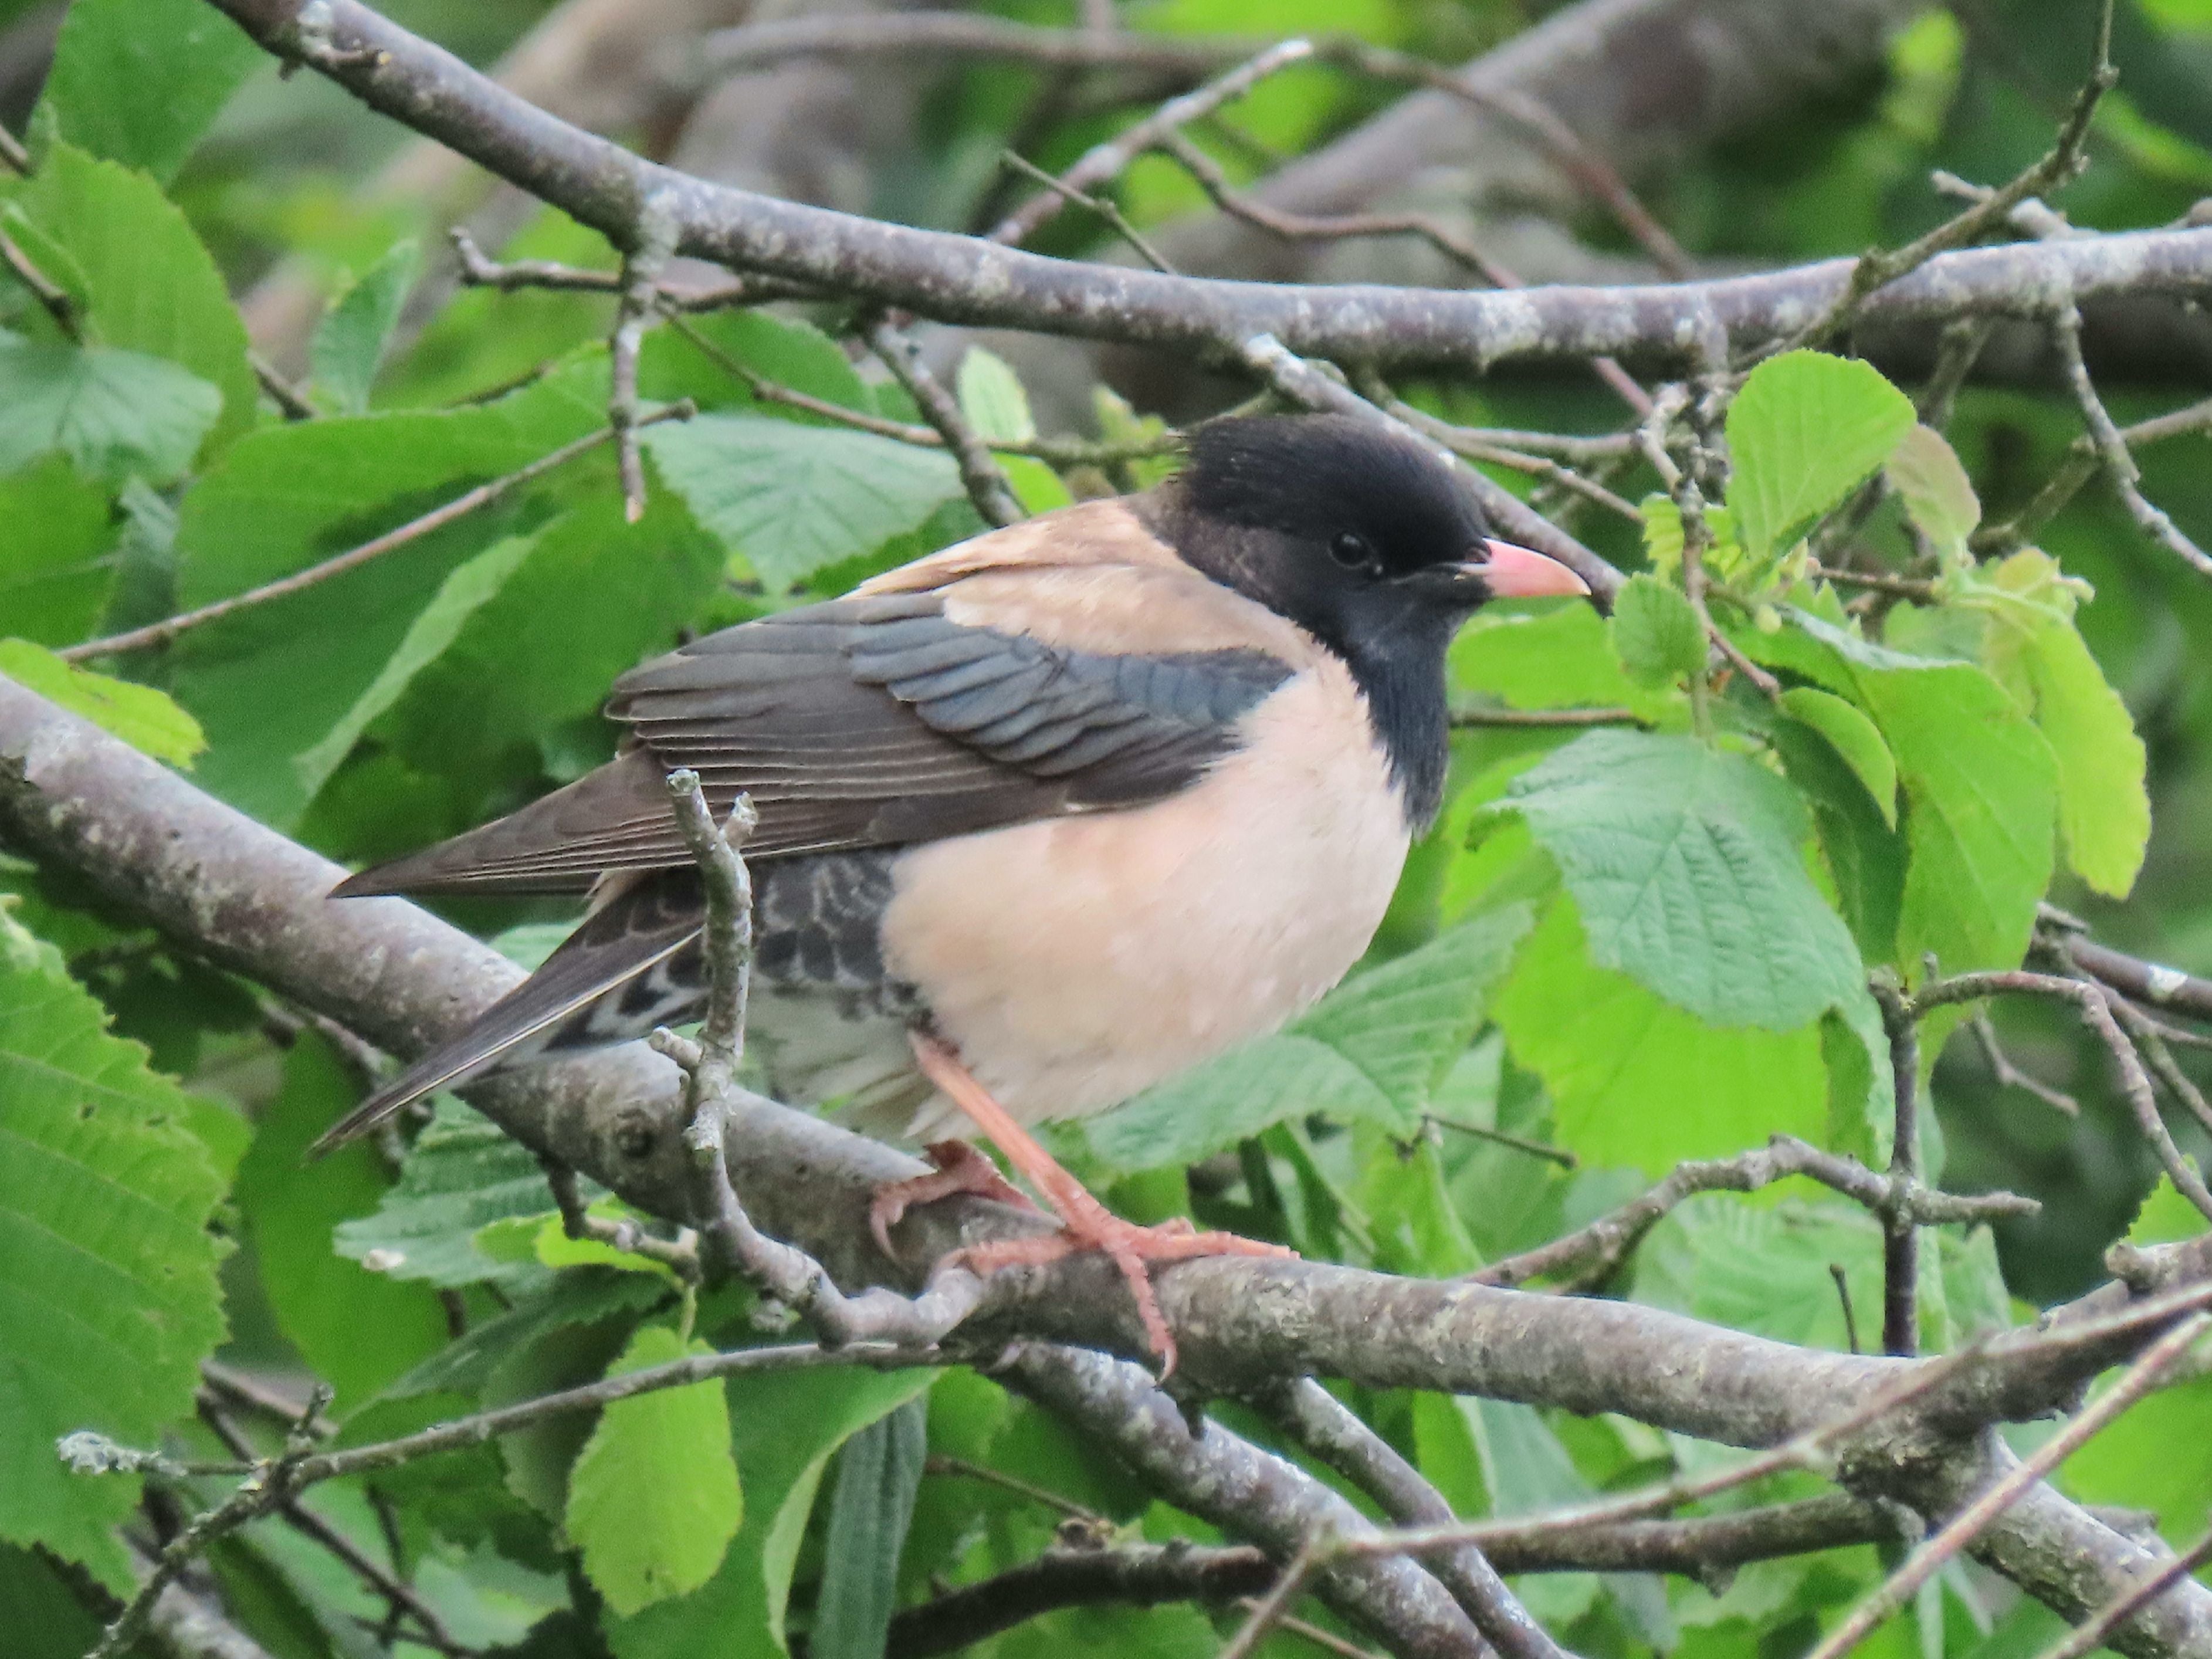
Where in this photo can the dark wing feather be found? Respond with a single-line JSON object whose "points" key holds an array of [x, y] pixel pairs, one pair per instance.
{"points": [[653, 920], [869, 721]]}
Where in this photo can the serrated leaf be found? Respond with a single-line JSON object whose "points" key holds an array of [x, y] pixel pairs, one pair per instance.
{"points": [[1371, 1049], [108, 1295], [2104, 800], [150, 286], [1855, 739], [55, 566], [1684, 862], [461, 1175], [1938, 497], [1764, 1267], [791, 499], [115, 414], [357, 1330], [878, 1474], [1803, 430], [141, 715], [1655, 633], [139, 81], [1979, 784], [1866, 856], [1638, 1082], [653, 1500], [587, 1297], [787, 1427], [350, 341]]}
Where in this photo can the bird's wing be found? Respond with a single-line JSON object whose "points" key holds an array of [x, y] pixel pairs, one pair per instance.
{"points": [[888, 717]]}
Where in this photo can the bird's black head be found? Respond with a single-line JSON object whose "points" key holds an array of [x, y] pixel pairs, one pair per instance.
{"points": [[1367, 541]]}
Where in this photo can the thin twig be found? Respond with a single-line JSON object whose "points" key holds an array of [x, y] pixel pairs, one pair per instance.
{"points": [[479, 271], [48, 293], [2079, 465], [1916, 588], [2009, 1076], [290, 401], [1270, 1608], [1962, 1528], [2119, 462], [939, 1463], [680, 1255], [2148, 1039], [985, 479], [1559, 1155], [1592, 1254], [1103, 206], [1106, 160], [161, 632], [1542, 717], [714, 1100], [1058, 452], [2090, 1635], [13, 154], [1900, 1255], [1878, 269], [1843, 1282], [634, 313], [1329, 1429], [1475, 446], [2096, 1003]]}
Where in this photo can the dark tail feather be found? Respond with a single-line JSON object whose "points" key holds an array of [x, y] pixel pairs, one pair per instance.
{"points": [[630, 935]]}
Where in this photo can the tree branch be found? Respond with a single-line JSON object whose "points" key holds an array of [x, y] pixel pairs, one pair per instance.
{"points": [[957, 279]]}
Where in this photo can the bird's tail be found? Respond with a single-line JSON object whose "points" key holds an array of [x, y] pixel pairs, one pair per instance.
{"points": [[634, 965]]}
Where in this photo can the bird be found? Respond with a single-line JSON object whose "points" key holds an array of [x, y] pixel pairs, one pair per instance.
{"points": [[1043, 818]]}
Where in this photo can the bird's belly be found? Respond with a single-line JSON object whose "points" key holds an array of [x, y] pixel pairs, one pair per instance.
{"points": [[1075, 962]]}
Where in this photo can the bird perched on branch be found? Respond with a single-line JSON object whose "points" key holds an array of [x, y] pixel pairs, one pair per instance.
{"points": [[1044, 817]]}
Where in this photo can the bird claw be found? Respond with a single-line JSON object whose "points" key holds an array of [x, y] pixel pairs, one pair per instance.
{"points": [[957, 1167]]}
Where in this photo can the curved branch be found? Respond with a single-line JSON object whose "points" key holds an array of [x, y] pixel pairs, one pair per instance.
{"points": [[960, 279]]}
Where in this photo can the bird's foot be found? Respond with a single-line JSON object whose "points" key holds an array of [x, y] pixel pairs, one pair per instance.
{"points": [[1131, 1247], [958, 1167]]}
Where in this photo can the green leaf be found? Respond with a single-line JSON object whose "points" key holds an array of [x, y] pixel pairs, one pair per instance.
{"points": [[55, 573], [461, 1175], [272, 681], [1372, 1049], [790, 498], [465, 590], [2104, 800], [148, 285], [108, 1297], [2156, 1457], [992, 398], [878, 1474], [653, 1500], [1938, 497], [1637, 1083], [786, 1427], [1979, 783], [1684, 862], [142, 716], [2165, 1216], [1855, 739], [1804, 429], [139, 81], [588, 1296], [116, 414], [1657, 633], [356, 1330], [350, 341], [1866, 857]]}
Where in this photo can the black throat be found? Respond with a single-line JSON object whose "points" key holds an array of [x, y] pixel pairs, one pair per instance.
{"points": [[1396, 658]]}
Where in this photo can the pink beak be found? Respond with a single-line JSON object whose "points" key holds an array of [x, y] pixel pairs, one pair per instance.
{"points": [[1516, 573]]}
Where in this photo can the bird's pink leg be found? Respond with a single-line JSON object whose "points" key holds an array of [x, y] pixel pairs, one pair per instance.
{"points": [[958, 1168], [1087, 1223]]}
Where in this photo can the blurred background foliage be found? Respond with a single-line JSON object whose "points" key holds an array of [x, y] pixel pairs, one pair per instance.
{"points": [[460, 676]]}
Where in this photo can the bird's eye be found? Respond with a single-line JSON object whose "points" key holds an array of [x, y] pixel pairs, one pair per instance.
{"points": [[1352, 551]]}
